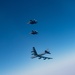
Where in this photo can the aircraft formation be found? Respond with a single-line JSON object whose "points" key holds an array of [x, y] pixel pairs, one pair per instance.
{"points": [[34, 52]]}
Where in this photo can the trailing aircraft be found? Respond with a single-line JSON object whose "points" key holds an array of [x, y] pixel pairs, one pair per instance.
{"points": [[35, 54], [34, 32]]}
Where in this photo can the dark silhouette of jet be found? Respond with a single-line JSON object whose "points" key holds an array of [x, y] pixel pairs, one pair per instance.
{"points": [[34, 32], [32, 22], [35, 54]]}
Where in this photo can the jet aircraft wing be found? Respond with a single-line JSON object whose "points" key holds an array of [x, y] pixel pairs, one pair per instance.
{"points": [[46, 57], [34, 51]]}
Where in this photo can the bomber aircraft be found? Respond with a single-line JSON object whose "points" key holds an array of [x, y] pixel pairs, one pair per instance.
{"points": [[32, 21], [34, 32], [35, 54]]}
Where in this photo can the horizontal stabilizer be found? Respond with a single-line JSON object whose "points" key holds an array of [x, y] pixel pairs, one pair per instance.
{"points": [[47, 52]]}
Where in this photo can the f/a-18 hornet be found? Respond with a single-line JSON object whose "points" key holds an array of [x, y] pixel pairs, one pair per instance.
{"points": [[35, 54], [34, 32], [32, 21]]}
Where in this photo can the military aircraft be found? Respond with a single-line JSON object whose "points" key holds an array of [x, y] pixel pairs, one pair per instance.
{"points": [[32, 21], [35, 54], [34, 32]]}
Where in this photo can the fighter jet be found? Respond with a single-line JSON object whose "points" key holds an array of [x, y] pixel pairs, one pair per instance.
{"points": [[35, 54], [34, 32], [32, 21]]}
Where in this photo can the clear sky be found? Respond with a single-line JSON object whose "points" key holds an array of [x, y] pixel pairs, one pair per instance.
{"points": [[56, 27]]}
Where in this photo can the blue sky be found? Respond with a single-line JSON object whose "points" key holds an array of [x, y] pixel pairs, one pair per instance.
{"points": [[56, 27]]}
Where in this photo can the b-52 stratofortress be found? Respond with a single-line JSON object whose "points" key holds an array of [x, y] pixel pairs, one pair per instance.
{"points": [[32, 21], [34, 32], [35, 54]]}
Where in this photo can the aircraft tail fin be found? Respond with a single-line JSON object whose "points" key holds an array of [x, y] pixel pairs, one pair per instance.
{"points": [[47, 52]]}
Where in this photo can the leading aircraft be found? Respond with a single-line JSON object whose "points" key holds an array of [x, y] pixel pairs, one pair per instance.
{"points": [[32, 21], [35, 54]]}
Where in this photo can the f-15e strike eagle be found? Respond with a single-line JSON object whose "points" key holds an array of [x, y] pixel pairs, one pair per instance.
{"points": [[34, 32], [32, 21], [35, 54]]}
